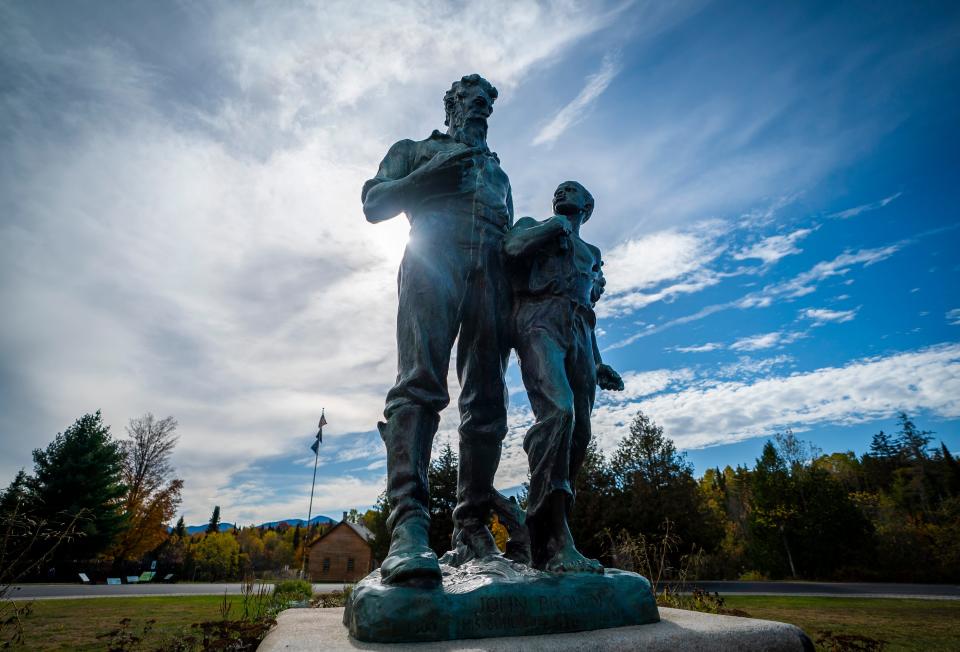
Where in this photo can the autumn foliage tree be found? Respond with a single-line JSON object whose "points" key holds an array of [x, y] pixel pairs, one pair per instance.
{"points": [[153, 493]]}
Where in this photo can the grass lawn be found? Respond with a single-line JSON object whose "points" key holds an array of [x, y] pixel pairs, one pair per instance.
{"points": [[75, 624], [904, 624]]}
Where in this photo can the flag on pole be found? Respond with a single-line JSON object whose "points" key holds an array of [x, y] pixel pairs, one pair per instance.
{"points": [[319, 438]]}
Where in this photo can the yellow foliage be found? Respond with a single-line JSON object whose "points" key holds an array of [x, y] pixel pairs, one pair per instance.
{"points": [[500, 533]]}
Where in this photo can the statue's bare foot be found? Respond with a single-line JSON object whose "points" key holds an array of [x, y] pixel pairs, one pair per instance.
{"points": [[569, 560]]}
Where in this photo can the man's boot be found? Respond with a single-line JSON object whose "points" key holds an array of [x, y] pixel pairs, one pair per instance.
{"points": [[408, 436], [472, 538]]}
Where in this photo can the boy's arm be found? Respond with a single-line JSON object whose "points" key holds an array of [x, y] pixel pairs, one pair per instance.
{"points": [[607, 377], [528, 235]]}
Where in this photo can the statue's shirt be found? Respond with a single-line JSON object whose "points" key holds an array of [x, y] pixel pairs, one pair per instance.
{"points": [[483, 196], [571, 269]]}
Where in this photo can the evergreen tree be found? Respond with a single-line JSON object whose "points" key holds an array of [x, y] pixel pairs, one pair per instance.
{"points": [[654, 482], [593, 493], [774, 513], [16, 496], [882, 445], [882, 460], [376, 522], [181, 528], [442, 478], [952, 471], [296, 538], [214, 524], [913, 441], [79, 475]]}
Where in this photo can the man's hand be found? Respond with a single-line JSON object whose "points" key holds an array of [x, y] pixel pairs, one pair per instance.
{"points": [[607, 378], [446, 169]]}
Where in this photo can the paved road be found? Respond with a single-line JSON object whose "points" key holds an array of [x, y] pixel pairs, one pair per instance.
{"points": [[835, 589], [848, 589], [52, 591]]}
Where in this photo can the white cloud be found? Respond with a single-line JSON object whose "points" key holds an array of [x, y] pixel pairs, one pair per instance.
{"points": [[953, 317], [644, 383], [659, 267], [798, 286], [575, 111], [770, 250], [701, 348], [807, 282], [856, 210], [765, 341], [822, 316], [210, 251], [860, 391], [747, 366]]}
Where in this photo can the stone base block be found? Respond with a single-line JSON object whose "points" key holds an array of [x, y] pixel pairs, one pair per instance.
{"points": [[496, 597], [303, 630]]}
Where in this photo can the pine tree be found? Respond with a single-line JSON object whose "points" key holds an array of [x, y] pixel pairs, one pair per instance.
{"points": [[181, 528], [913, 441], [17, 495], [79, 475], [443, 498], [214, 525], [882, 445]]}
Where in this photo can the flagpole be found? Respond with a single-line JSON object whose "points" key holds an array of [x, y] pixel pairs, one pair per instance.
{"points": [[316, 459]]}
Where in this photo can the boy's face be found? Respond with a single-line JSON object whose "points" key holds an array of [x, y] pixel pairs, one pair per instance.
{"points": [[569, 199]]}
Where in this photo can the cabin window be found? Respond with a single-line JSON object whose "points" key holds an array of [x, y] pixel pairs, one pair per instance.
{"points": [[349, 563], [326, 564]]}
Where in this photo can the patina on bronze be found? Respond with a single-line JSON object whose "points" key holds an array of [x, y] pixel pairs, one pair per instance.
{"points": [[469, 275], [452, 286], [557, 279]]}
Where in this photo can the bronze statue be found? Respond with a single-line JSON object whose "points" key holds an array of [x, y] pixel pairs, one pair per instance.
{"points": [[557, 280], [452, 285], [469, 275]]}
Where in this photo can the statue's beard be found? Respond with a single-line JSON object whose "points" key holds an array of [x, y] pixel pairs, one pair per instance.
{"points": [[472, 132]]}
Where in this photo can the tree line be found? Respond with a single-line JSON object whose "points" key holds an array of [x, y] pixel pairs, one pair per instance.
{"points": [[99, 505], [892, 513]]}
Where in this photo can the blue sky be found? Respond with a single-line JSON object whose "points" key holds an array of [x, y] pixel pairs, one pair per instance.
{"points": [[776, 194]]}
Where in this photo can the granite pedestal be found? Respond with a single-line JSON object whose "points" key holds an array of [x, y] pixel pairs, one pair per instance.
{"points": [[312, 630]]}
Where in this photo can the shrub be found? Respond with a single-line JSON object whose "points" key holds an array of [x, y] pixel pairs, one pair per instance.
{"points": [[293, 590]]}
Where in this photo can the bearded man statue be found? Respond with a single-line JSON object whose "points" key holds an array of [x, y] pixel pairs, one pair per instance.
{"points": [[452, 287]]}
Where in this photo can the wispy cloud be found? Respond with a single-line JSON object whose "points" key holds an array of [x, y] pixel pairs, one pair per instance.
{"points": [[857, 210], [699, 348], [807, 282], [821, 316], [765, 341], [953, 317], [793, 288], [575, 111], [770, 250]]}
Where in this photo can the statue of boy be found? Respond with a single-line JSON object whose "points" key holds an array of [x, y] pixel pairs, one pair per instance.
{"points": [[557, 279], [452, 285]]}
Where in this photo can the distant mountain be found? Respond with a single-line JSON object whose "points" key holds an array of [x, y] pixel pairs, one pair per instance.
{"points": [[292, 522]]}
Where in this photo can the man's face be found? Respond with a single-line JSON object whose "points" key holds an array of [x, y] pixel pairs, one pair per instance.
{"points": [[473, 103], [569, 199]]}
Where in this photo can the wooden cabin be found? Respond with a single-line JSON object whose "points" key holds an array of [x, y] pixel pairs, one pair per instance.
{"points": [[342, 554]]}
